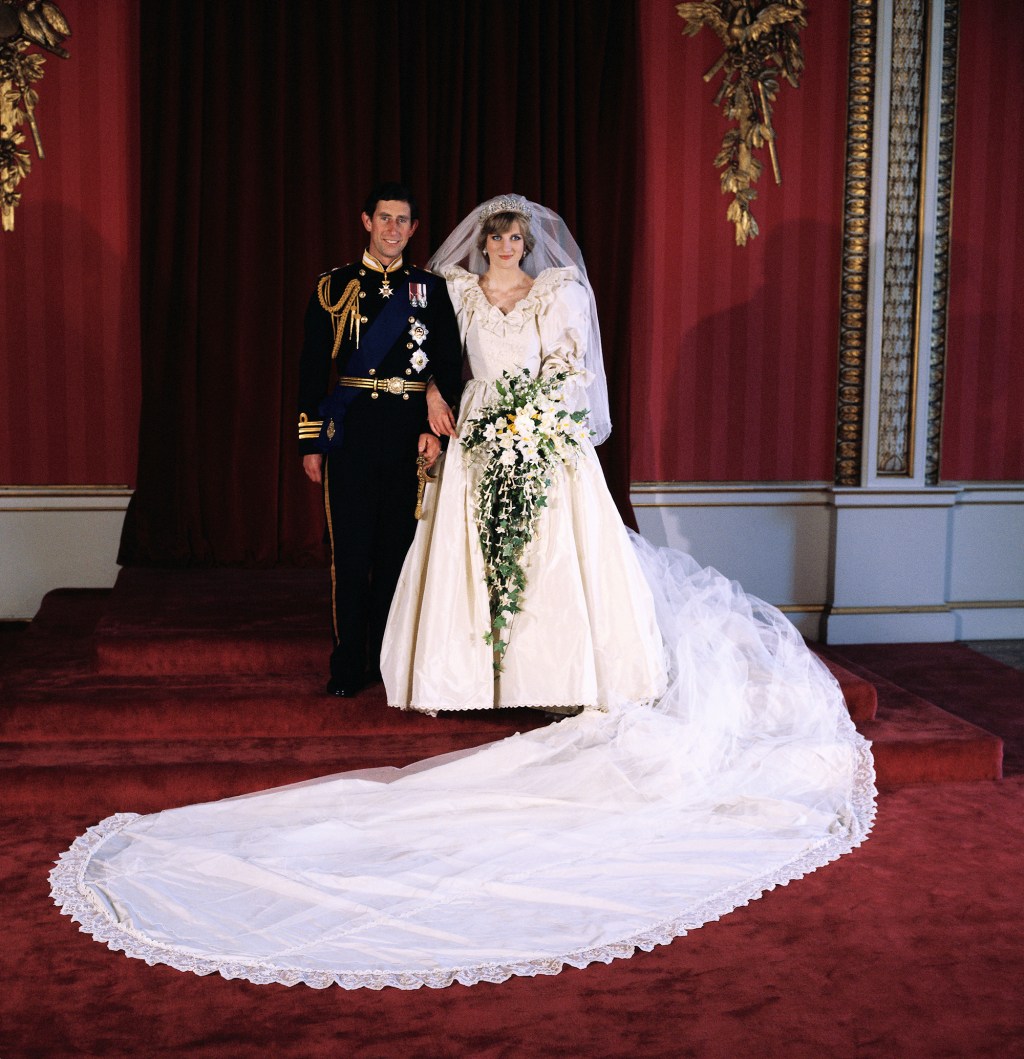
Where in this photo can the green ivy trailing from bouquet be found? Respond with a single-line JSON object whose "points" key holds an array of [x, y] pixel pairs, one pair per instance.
{"points": [[522, 436]]}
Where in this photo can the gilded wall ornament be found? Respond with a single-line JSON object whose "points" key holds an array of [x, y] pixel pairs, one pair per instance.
{"points": [[762, 46], [23, 24], [853, 336], [943, 231]]}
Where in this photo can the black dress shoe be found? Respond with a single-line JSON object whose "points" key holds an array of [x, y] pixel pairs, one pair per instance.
{"points": [[339, 690]]}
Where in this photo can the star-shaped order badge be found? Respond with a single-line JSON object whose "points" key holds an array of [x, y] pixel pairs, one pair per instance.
{"points": [[418, 333]]}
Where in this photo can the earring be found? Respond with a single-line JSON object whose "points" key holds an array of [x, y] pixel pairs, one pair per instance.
{"points": [[484, 253]]}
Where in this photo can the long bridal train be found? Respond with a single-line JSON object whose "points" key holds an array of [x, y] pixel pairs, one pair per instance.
{"points": [[578, 842]]}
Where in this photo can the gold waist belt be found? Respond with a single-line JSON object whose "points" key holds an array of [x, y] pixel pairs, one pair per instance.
{"points": [[395, 385]]}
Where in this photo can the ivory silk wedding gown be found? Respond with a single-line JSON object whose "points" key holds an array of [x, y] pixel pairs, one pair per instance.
{"points": [[716, 760], [587, 635]]}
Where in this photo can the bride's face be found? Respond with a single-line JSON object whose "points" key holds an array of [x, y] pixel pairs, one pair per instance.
{"points": [[505, 249]]}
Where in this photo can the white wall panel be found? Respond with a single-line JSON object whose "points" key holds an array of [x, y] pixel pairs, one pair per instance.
{"points": [[855, 566], [56, 538]]}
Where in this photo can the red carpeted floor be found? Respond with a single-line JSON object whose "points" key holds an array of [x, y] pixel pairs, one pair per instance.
{"points": [[182, 686]]}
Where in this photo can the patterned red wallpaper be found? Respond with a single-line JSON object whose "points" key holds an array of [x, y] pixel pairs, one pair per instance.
{"points": [[69, 327], [983, 422], [736, 347]]}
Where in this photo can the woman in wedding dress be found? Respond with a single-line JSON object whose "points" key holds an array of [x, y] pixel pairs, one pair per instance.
{"points": [[714, 758], [586, 636]]}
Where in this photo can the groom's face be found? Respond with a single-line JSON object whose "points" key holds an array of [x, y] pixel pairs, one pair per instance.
{"points": [[390, 228]]}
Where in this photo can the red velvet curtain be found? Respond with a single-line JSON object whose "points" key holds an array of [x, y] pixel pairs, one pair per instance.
{"points": [[263, 127]]}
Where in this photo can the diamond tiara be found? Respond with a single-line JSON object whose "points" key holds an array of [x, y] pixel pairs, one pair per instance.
{"points": [[507, 204]]}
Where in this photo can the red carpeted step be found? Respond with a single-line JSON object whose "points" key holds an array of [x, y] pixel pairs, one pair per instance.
{"points": [[56, 706], [148, 709], [183, 688], [858, 691], [102, 791], [253, 622], [913, 742], [916, 742], [178, 622], [957, 679], [148, 775]]}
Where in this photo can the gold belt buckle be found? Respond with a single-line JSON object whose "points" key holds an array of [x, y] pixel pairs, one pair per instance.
{"points": [[394, 385]]}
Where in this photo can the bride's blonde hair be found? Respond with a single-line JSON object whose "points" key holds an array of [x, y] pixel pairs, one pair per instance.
{"points": [[501, 222]]}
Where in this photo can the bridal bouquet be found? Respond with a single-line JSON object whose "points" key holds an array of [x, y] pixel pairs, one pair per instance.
{"points": [[522, 436]]}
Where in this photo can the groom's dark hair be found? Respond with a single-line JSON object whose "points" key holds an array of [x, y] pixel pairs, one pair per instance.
{"points": [[390, 190]]}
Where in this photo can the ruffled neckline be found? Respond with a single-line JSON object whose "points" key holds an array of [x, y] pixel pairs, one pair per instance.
{"points": [[544, 286]]}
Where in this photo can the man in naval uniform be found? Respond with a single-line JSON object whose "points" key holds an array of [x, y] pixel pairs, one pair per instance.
{"points": [[376, 333]]}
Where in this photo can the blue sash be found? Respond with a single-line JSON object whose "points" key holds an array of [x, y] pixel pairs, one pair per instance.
{"points": [[374, 345]]}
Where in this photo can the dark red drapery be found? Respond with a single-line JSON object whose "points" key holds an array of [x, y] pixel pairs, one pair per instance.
{"points": [[263, 126]]}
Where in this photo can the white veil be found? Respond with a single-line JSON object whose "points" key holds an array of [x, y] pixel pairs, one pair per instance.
{"points": [[555, 247]]}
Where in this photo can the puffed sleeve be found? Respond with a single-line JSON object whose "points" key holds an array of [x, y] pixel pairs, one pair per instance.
{"points": [[563, 323], [458, 280]]}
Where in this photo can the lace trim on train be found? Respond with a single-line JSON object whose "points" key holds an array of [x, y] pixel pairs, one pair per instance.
{"points": [[71, 895], [568, 709]]}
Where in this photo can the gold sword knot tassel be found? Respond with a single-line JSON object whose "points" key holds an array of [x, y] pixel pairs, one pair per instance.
{"points": [[423, 476]]}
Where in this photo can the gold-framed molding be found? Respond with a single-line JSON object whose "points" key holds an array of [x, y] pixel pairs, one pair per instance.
{"points": [[823, 494], [898, 189], [730, 494], [939, 608], [856, 243], [943, 238]]}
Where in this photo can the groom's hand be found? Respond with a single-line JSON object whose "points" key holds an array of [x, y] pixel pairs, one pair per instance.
{"points": [[312, 464], [439, 415], [431, 448]]}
